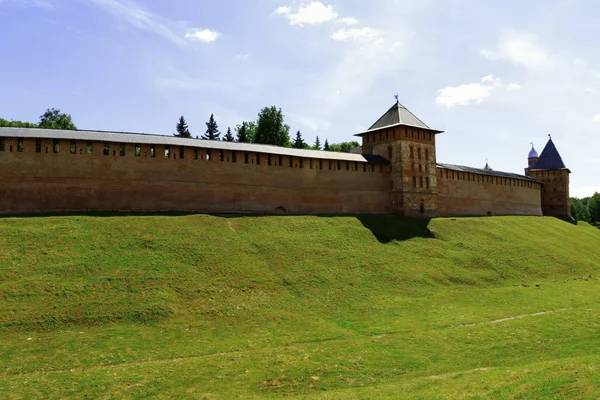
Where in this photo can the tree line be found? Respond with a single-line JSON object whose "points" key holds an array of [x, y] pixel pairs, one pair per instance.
{"points": [[51, 119], [269, 128], [587, 209]]}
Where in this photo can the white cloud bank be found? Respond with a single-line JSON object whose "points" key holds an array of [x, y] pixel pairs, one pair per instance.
{"points": [[314, 13], [356, 34], [472, 93], [519, 48], [140, 18], [596, 118], [203, 35]]}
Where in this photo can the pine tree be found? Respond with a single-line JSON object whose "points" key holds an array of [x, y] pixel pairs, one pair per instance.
{"points": [[212, 129], [299, 142], [228, 136], [326, 145], [317, 145], [182, 129]]}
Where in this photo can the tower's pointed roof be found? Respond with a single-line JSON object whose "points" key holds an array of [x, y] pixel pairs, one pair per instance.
{"points": [[398, 115], [550, 158]]}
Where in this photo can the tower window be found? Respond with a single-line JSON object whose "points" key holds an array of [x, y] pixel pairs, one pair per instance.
{"points": [[20, 146], [56, 146], [167, 151], [421, 182], [90, 148], [138, 150], [412, 152], [426, 154], [427, 182], [414, 182], [152, 151], [106, 150]]}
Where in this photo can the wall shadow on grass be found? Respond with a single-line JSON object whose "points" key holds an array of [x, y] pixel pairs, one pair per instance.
{"points": [[390, 228], [385, 227]]}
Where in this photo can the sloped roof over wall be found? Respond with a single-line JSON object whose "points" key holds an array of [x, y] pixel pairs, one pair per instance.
{"points": [[398, 115], [550, 158], [142, 138], [483, 171]]}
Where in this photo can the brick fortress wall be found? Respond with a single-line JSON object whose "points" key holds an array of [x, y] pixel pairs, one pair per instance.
{"points": [[463, 193], [48, 181]]}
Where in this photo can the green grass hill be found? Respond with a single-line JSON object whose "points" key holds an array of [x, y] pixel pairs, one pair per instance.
{"points": [[198, 306]]}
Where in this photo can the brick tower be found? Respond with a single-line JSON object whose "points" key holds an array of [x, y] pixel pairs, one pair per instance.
{"points": [[409, 144], [550, 170]]}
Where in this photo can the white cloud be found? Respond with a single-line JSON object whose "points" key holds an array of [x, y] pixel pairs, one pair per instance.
{"points": [[140, 18], [313, 13], [520, 48], [589, 90], [348, 21], [355, 34], [471, 93], [596, 118], [203, 35]]}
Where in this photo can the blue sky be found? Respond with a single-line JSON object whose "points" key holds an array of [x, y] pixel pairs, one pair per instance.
{"points": [[494, 76]]}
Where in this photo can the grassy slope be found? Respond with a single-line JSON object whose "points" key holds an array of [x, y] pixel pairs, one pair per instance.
{"points": [[253, 307]]}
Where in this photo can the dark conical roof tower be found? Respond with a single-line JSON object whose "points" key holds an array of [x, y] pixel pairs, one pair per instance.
{"points": [[550, 158], [551, 171]]}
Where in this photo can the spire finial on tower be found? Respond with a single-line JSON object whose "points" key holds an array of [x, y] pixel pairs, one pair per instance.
{"points": [[549, 136], [396, 97]]}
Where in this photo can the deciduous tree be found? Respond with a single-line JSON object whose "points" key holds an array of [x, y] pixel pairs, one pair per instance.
{"points": [[271, 129], [245, 132], [344, 147], [54, 119]]}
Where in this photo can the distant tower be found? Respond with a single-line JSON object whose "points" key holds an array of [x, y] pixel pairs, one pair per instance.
{"points": [[550, 170], [532, 159]]}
